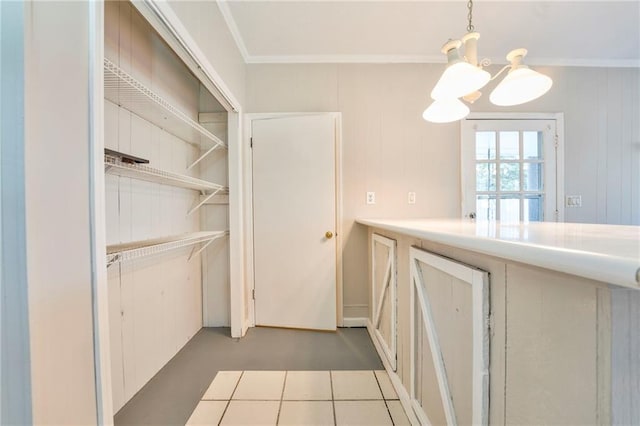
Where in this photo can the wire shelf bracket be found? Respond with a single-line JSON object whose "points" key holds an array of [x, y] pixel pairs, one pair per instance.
{"points": [[127, 92], [138, 249]]}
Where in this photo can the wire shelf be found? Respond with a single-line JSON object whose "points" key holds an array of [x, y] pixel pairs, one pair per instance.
{"points": [[138, 249], [113, 165], [126, 91]]}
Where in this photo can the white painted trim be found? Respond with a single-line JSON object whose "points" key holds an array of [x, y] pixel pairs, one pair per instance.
{"points": [[339, 211], [561, 166], [479, 281], [466, 155], [174, 28], [513, 116], [99, 282], [405, 400], [247, 173], [346, 59], [390, 282], [355, 322], [237, 258], [431, 59], [15, 377], [233, 29]]}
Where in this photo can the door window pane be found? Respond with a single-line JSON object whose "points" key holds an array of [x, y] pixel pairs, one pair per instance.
{"points": [[533, 208], [485, 145], [509, 145], [509, 177], [509, 209], [486, 177], [532, 176], [485, 207], [532, 145]]}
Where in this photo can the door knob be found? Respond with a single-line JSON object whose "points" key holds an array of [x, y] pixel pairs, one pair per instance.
{"points": [[328, 234]]}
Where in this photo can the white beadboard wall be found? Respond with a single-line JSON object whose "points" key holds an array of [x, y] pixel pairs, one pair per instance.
{"points": [[155, 303], [388, 148]]}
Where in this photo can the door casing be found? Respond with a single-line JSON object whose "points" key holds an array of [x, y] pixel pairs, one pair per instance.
{"points": [[248, 301]]}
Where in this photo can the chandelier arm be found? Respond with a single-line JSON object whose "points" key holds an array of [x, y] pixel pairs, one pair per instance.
{"points": [[500, 72]]}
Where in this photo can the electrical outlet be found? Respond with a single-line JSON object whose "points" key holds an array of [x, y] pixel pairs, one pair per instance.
{"points": [[371, 197], [574, 201], [411, 198]]}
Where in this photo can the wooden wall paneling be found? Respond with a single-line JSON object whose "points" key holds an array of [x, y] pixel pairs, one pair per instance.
{"points": [[614, 144], [127, 282], [112, 30], [124, 59], [634, 152], [429, 396], [142, 208], [115, 330], [600, 195], [625, 357], [604, 334], [552, 348]]}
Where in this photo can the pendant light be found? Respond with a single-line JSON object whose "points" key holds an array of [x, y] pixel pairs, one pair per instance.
{"points": [[464, 77]]}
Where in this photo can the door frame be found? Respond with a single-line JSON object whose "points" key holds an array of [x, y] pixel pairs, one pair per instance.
{"points": [[247, 173], [559, 119]]}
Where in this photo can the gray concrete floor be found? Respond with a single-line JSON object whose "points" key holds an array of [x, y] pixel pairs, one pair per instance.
{"points": [[173, 393]]}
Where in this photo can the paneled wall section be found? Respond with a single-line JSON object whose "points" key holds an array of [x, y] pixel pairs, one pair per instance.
{"points": [[155, 303], [388, 148]]}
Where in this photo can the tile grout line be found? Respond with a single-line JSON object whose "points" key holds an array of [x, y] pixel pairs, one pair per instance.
{"points": [[333, 401], [284, 384], [383, 397], [230, 396]]}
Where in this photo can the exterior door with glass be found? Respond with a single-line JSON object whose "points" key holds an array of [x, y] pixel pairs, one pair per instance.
{"points": [[509, 170]]}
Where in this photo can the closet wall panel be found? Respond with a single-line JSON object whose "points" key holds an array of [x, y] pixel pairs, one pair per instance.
{"points": [[156, 301]]}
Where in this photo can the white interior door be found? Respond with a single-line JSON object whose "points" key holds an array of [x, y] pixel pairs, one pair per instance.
{"points": [[294, 212]]}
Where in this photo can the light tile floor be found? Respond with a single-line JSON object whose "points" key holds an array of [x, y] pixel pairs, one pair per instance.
{"points": [[252, 398]]}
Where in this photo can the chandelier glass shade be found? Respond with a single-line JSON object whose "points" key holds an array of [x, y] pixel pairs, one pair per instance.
{"points": [[460, 77], [521, 85], [464, 77], [446, 111]]}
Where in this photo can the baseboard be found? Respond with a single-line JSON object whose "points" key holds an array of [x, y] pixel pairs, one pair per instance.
{"points": [[405, 400], [355, 322]]}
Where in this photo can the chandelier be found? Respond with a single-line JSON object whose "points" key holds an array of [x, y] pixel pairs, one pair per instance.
{"points": [[464, 76]]}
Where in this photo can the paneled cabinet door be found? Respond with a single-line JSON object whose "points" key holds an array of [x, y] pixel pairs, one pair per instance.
{"points": [[383, 295], [449, 367]]}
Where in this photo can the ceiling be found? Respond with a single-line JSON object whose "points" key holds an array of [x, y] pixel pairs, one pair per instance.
{"points": [[588, 33]]}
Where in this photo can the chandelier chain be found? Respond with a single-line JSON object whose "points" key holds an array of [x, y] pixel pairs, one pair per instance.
{"points": [[470, 27]]}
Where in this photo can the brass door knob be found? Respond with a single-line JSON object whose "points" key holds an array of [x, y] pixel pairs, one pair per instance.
{"points": [[328, 234]]}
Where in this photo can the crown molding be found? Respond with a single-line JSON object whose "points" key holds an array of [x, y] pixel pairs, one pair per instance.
{"points": [[345, 59], [233, 28], [399, 59], [430, 59]]}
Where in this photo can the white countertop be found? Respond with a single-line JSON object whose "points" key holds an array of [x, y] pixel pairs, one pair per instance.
{"points": [[607, 253]]}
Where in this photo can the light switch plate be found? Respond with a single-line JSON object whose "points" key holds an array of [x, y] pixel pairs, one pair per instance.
{"points": [[411, 198], [371, 197], [574, 201]]}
